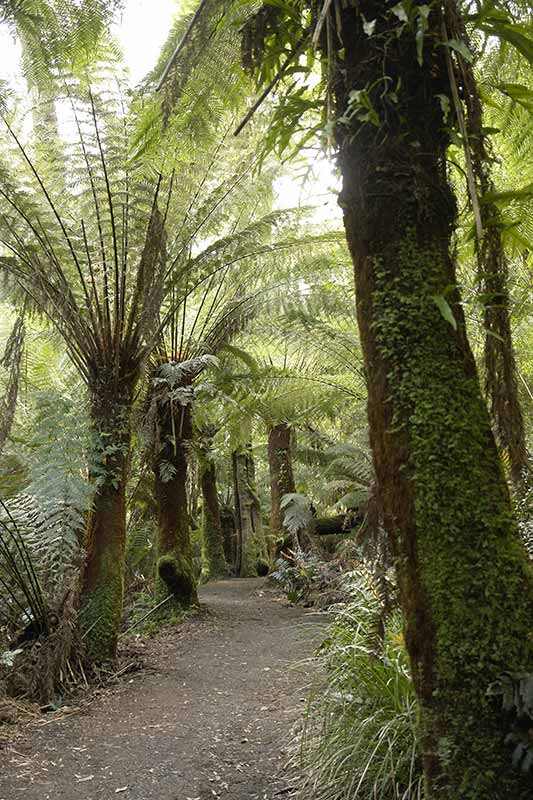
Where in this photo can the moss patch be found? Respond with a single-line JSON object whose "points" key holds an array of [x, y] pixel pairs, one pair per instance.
{"points": [[177, 577], [101, 616], [471, 564], [215, 565]]}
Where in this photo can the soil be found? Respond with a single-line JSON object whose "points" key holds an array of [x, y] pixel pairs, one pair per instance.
{"points": [[210, 715]]}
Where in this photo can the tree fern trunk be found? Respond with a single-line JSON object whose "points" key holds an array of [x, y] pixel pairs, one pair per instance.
{"points": [[257, 512], [212, 525], [465, 587], [281, 475], [103, 580], [229, 536], [247, 513], [501, 383], [175, 570]]}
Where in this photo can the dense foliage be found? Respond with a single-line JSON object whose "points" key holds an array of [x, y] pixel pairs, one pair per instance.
{"points": [[192, 388]]}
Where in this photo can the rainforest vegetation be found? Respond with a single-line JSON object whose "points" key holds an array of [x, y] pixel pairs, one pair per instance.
{"points": [[265, 315]]}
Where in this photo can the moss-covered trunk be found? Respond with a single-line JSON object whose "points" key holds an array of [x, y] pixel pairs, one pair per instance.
{"points": [[465, 588], [193, 490], [229, 536], [281, 475], [501, 376], [103, 579], [250, 536], [175, 569], [216, 565]]}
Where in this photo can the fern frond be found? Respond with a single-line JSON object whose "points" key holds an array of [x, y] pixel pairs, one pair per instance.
{"points": [[11, 361]]}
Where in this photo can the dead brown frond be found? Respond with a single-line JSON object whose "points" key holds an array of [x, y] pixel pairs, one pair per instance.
{"points": [[48, 665]]}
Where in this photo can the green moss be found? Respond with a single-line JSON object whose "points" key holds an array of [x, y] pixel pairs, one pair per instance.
{"points": [[176, 576], [471, 563], [101, 605], [101, 617], [143, 605], [215, 565], [249, 558]]}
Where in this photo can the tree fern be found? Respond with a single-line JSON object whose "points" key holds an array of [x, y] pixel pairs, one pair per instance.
{"points": [[52, 509], [11, 362], [22, 601]]}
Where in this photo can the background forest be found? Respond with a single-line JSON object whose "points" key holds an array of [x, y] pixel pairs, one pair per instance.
{"points": [[194, 389]]}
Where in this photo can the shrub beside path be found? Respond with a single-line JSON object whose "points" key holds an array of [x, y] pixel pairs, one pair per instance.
{"points": [[209, 716]]}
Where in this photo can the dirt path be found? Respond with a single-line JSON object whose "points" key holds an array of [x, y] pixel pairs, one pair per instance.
{"points": [[211, 718]]}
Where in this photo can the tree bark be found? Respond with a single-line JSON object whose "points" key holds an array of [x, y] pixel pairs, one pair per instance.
{"points": [[465, 588], [257, 513], [193, 490], [212, 525], [250, 537], [501, 385], [281, 476], [175, 569], [103, 578], [229, 537]]}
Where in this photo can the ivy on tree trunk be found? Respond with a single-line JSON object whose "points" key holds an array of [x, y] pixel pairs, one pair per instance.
{"points": [[465, 587]]}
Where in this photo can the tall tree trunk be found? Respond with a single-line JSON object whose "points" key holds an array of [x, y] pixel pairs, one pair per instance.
{"points": [[465, 588], [103, 579], [501, 385], [212, 524], [193, 490], [175, 569], [250, 536], [281, 476], [229, 537], [257, 513]]}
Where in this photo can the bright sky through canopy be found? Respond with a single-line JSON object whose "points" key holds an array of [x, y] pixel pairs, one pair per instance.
{"points": [[141, 29]]}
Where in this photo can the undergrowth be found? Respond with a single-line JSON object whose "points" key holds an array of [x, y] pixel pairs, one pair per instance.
{"points": [[301, 573], [359, 738], [144, 618]]}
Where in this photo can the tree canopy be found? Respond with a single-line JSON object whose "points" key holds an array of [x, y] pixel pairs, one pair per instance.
{"points": [[203, 377]]}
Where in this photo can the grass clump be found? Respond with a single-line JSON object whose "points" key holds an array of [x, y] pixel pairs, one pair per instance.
{"points": [[359, 739]]}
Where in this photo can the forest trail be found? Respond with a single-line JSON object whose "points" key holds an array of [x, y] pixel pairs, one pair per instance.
{"points": [[211, 717]]}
